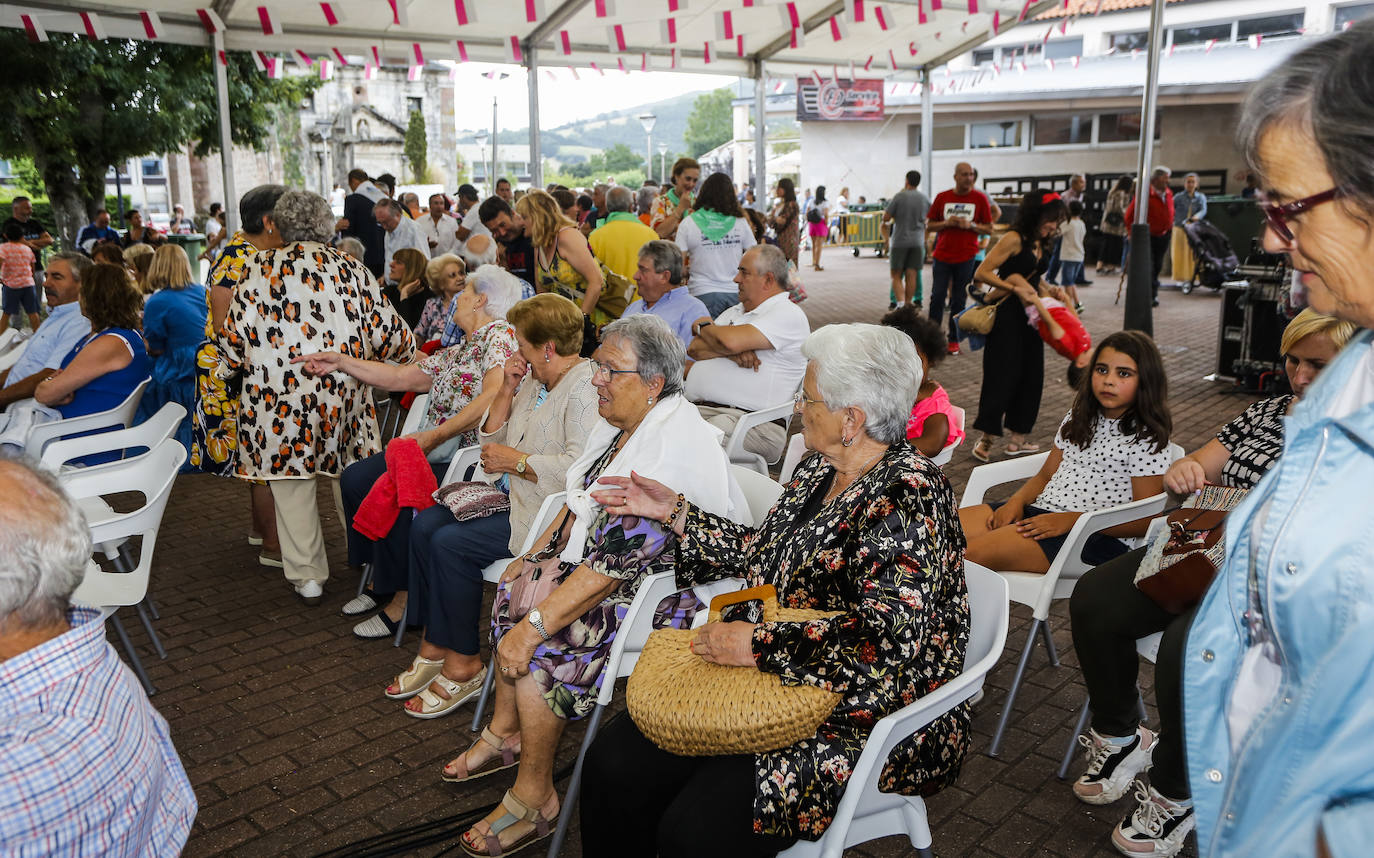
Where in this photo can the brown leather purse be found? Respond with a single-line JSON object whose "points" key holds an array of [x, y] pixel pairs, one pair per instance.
{"points": [[1181, 563]]}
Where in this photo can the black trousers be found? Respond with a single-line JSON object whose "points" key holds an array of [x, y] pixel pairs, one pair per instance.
{"points": [[1159, 245], [1013, 373], [639, 801], [390, 555], [1108, 614]]}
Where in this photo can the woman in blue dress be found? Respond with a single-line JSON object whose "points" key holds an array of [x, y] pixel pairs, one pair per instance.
{"points": [[173, 327]]}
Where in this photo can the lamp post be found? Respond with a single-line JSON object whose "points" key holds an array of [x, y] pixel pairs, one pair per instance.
{"points": [[648, 120], [481, 138], [662, 153]]}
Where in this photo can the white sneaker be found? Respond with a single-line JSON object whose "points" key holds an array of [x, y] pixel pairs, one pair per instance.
{"points": [[1157, 828], [310, 591], [1112, 768]]}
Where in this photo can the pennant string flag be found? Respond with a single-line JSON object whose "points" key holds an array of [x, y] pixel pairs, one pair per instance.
{"points": [[399, 14], [209, 19], [790, 16], [667, 31], [838, 30], [466, 14], [605, 8], [677, 5], [739, 46], [797, 40], [33, 29], [534, 11], [95, 28], [513, 51], [854, 10], [268, 20], [615, 37], [921, 12], [338, 55], [462, 52], [881, 14], [725, 26], [152, 24], [333, 16], [566, 42], [419, 54]]}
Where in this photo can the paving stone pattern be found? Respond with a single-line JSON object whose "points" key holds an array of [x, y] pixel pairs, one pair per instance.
{"points": [[280, 720]]}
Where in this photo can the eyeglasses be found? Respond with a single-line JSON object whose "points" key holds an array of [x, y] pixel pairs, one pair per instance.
{"points": [[1277, 215], [599, 368], [801, 400]]}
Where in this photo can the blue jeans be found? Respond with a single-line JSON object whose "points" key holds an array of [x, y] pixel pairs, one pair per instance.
{"points": [[1072, 271], [447, 557], [718, 302], [1052, 273], [950, 279]]}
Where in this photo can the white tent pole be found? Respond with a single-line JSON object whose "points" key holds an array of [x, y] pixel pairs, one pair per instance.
{"points": [[226, 138], [1138, 315], [927, 135], [536, 156], [761, 193]]}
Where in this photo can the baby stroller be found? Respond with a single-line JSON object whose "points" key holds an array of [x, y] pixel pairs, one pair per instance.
{"points": [[1216, 261]]}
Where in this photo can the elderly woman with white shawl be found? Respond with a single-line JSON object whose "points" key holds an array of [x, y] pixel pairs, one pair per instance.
{"points": [[554, 631]]}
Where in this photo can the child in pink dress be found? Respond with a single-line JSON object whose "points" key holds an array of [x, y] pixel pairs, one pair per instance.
{"points": [[16, 273], [933, 424]]}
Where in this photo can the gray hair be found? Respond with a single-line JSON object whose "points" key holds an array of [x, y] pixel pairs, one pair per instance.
{"points": [[303, 216], [79, 263], [870, 367], [501, 287], [352, 247], [435, 269], [1191, 176], [600, 186], [46, 545], [664, 256], [644, 201], [619, 199], [659, 352], [1157, 172], [486, 257], [390, 205], [1323, 90], [771, 260], [258, 202]]}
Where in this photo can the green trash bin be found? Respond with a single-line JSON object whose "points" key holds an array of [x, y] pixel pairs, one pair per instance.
{"points": [[193, 244], [1239, 218]]}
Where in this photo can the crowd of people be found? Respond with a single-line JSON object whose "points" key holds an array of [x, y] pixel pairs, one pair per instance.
{"points": [[590, 351]]}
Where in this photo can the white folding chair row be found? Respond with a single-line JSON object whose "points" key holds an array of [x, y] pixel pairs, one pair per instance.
{"points": [[121, 415], [1038, 591], [734, 447], [796, 451], [9, 340], [13, 352], [866, 813], [943, 457], [153, 476], [145, 436], [418, 406]]}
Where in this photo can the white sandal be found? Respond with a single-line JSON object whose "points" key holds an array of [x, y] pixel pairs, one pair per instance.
{"points": [[434, 706], [416, 678]]}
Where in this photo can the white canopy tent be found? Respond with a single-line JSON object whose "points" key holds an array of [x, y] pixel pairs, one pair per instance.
{"points": [[745, 38]]}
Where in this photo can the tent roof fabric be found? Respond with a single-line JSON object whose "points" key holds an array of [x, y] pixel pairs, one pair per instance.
{"points": [[713, 36], [1084, 8]]}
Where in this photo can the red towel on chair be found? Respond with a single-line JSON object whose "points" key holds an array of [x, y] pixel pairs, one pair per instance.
{"points": [[408, 482]]}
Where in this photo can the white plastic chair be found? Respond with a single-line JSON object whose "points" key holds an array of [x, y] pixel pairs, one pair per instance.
{"points": [[1148, 649], [9, 339], [943, 457], [734, 448], [152, 476], [796, 451], [864, 813], [1038, 591], [760, 491], [415, 415], [145, 436], [11, 357], [121, 415]]}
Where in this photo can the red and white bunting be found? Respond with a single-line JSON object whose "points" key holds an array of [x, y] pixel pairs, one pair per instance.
{"points": [[936, 5], [853, 75], [1024, 10], [838, 28], [453, 73], [34, 29], [574, 73], [1049, 63], [338, 55], [94, 27], [835, 70], [779, 86], [260, 61], [370, 72], [1021, 67], [534, 11], [268, 21], [1135, 52], [152, 24], [797, 39], [605, 8], [816, 76], [565, 42], [644, 61], [1255, 41], [915, 84], [1211, 43], [892, 60], [418, 54], [462, 51], [791, 18], [326, 69], [739, 46], [466, 12], [620, 63], [276, 68], [548, 73], [1076, 60], [854, 10], [973, 7], [303, 59], [868, 65], [677, 5], [996, 21], [672, 58], [667, 31], [400, 16], [596, 68], [513, 52], [333, 15], [209, 19], [1170, 51], [376, 56], [921, 13], [706, 54], [911, 48], [615, 38], [223, 57], [725, 26], [884, 22], [1045, 38], [1064, 27]]}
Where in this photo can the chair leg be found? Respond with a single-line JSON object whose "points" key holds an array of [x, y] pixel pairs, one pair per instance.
{"points": [[152, 606], [132, 654], [401, 626], [574, 784], [152, 634], [1078, 729], [364, 578], [1140, 704], [482, 698], [1015, 685], [1049, 643]]}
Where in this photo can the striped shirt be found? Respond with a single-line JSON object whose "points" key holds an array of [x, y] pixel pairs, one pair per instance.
{"points": [[86, 764]]}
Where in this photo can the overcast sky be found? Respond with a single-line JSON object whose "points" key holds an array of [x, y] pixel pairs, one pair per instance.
{"points": [[562, 99]]}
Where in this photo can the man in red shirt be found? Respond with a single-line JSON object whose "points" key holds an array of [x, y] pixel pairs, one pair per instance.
{"points": [[1160, 217], [958, 216]]}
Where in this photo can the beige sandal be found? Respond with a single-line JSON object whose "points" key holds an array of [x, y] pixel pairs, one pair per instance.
{"points": [[415, 679], [516, 811], [434, 706], [509, 757]]}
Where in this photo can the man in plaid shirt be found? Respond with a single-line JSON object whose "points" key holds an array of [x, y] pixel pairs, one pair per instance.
{"points": [[86, 764]]}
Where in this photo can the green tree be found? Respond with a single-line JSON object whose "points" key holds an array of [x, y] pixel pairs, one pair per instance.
{"points": [[619, 158], [78, 106], [710, 123], [416, 146]]}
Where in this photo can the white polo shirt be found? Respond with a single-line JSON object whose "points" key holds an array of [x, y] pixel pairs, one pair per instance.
{"points": [[444, 234], [780, 368]]}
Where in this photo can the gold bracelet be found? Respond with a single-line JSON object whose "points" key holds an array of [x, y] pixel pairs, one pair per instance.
{"points": [[677, 510]]}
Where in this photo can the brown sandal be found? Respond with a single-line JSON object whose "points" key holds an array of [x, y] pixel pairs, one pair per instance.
{"points": [[509, 757], [515, 811]]}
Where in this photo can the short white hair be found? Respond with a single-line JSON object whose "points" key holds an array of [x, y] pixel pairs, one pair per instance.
{"points": [[870, 367], [46, 545], [477, 260], [501, 287]]}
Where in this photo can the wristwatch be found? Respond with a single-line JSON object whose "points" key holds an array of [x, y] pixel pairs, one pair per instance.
{"points": [[522, 463], [696, 329], [537, 620]]}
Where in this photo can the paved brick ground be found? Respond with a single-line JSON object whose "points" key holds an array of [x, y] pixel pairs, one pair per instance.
{"points": [[278, 713]]}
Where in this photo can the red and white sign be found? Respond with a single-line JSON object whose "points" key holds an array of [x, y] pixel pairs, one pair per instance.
{"points": [[839, 99]]}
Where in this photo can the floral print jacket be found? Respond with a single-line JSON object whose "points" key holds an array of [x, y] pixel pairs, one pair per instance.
{"points": [[888, 552], [296, 300]]}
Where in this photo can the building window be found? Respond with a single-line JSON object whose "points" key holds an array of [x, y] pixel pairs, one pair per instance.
{"points": [[413, 105], [1199, 35], [152, 168], [1063, 130], [944, 138], [1121, 127], [984, 56], [1127, 42], [1347, 15], [1270, 27], [1059, 49], [994, 135]]}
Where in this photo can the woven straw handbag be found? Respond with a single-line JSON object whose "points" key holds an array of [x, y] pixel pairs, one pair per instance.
{"points": [[690, 707]]}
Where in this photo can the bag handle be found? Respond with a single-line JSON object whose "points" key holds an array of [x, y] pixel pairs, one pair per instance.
{"points": [[765, 593]]}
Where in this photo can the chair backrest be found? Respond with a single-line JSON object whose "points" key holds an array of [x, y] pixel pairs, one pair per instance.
{"points": [[464, 460], [984, 477], [11, 357], [9, 339], [121, 415], [760, 491], [416, 414], [796, 451], [945, 455], [734, 448], [152, 476], [547, 510], [145, 436]]}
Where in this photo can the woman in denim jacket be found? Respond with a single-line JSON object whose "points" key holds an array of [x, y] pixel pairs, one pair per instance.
{"points": [[1278, 672]]}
